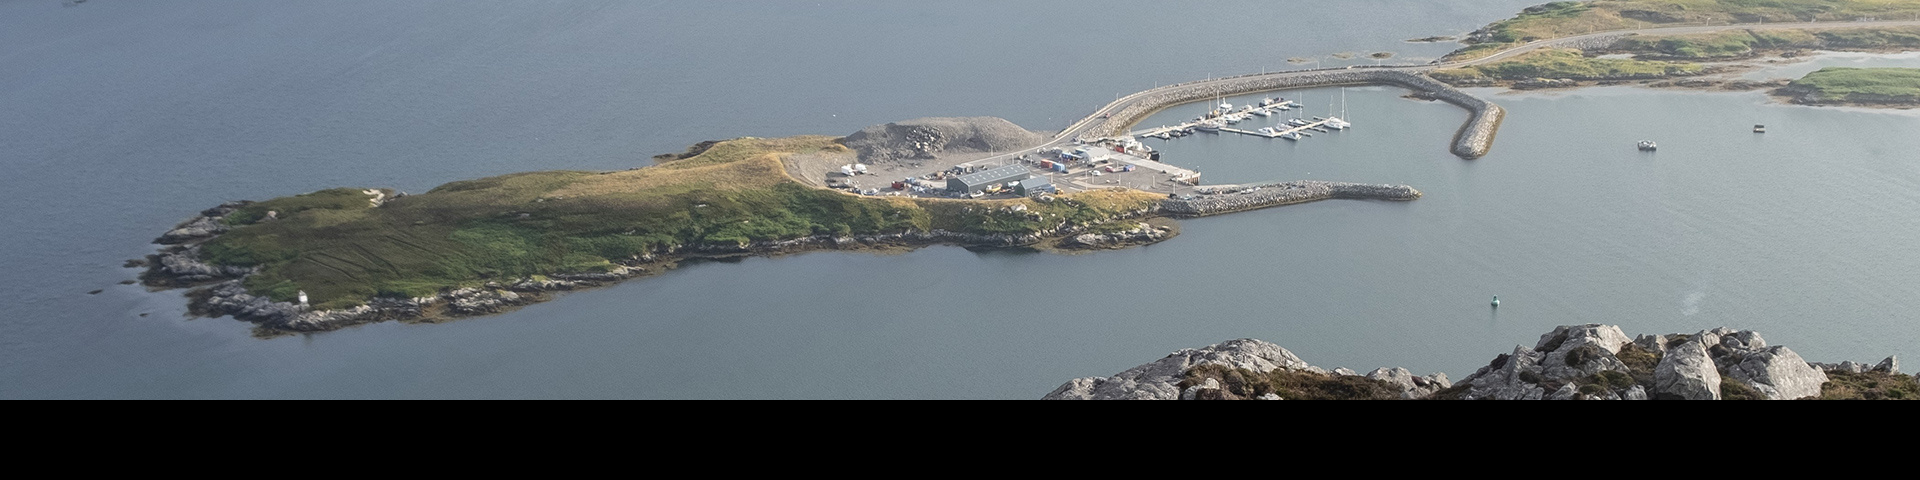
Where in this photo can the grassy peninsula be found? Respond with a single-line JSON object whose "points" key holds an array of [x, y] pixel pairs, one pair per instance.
{"points": [[344, 247], [1568, 18], [1857, 86], [1566, 63], [1747, 43]]}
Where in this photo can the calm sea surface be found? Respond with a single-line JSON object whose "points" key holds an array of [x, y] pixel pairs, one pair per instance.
{"points": [[122, 118]]}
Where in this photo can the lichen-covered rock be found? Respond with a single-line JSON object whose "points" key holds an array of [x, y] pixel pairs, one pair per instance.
{"points": [[1156, 380], [1651, 343], [1566, 392], [1635, 393], [1193, 392], [1688, 373], [1574, 352], [1515, 376], [1890, 365], [1778, 373], [1411, 387]]}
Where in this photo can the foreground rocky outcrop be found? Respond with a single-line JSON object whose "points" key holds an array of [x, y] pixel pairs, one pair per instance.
{"points": [[1572, 362], [1253, 369]]}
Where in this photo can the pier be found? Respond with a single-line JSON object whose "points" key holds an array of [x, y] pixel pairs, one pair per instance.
{"points": [[1239, 198], [1315, 126]]}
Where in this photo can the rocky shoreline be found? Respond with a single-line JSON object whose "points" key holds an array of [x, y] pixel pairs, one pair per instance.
{"points": [[219, 290], [1572, 362]]}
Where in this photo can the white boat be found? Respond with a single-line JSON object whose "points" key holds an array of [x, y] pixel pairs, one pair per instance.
{"points": [[1207, 127], [1337, 123], [1290, 135], [1263, 112], [1648, 146], [1297, 122], [1226, 107], [1267, 131]]}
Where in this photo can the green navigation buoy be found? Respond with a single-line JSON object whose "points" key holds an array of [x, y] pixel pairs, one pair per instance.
{"points": [[1496, 301]]}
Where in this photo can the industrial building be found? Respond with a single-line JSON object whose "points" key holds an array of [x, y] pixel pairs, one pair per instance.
{"points": [[1035, 186], [977, 181]]}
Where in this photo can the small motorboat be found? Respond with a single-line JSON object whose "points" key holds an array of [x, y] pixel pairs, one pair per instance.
{"points": [[1648, 146], [1759, 129]]}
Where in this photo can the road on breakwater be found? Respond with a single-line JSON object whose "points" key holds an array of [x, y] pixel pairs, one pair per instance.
{"points": [[1115, 118]]}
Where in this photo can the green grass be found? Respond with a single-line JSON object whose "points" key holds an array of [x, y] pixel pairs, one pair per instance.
{"points": [[1860, 84], [1869, 386], [1731, 389], [1735, 44], [1568, 64], [342, 253], [1562, 19]]}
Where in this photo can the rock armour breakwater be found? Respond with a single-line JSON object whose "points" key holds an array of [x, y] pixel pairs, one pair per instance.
{"points": [[1249, 197], [1473, 140]]}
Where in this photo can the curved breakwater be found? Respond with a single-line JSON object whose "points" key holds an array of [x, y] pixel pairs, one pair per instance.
{"points": [[1238, 198], [1473, 140]]}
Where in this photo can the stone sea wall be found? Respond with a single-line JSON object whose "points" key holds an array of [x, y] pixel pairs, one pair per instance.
{"points": [[1219, 200], [1474, 139]]}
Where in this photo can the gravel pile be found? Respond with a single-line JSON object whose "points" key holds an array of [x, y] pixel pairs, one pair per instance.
{"points": [[928, 138]]}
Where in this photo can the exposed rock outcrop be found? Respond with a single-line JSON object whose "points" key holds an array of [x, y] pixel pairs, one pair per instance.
{"points": [[1572, 362], [926, 138], [1155, 380], [1778, 373], [1411, 387], [1687, 373]]}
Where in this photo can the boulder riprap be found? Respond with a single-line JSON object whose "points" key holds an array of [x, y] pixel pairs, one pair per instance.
{"points": [[1140, 234], [927, 138], [1572, 362]]}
